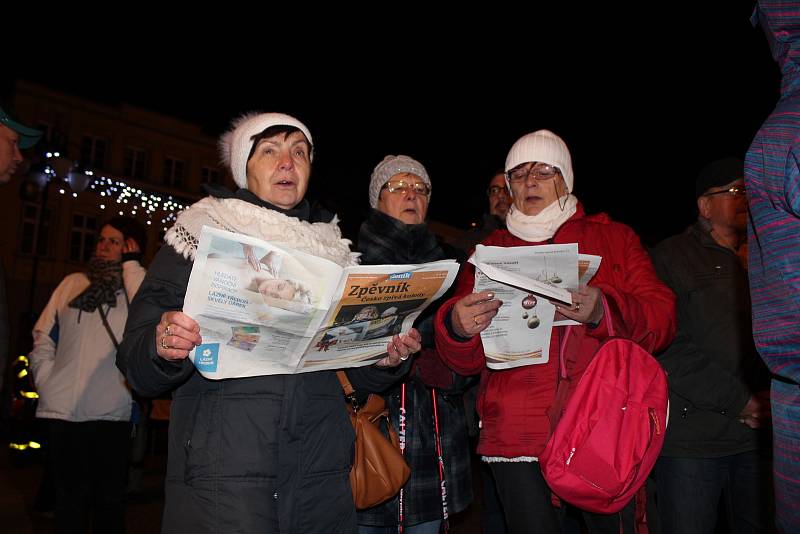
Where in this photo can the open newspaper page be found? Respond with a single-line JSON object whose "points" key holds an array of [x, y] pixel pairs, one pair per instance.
{"points": [[526, 279], [372, 304], [261, 307], [255, 322], [587, 267]]}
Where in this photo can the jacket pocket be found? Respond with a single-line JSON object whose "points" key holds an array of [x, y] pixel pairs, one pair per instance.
{"points": [[190, 417], [328, 436], [248, 435]]}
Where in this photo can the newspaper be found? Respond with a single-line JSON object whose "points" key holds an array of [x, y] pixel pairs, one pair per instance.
{"points": [[525, 279], [298, 312]]}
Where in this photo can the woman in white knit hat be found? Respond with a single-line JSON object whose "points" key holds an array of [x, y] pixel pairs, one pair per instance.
{"points": [[267, 454], [519, 407]]}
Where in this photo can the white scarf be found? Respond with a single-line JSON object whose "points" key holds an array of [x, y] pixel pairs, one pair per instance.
{"points": [[234, 215], [541, 227]]}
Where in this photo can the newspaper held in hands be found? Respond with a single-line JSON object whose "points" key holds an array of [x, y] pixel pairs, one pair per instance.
{"points": [[264, 309], [526, 279]]}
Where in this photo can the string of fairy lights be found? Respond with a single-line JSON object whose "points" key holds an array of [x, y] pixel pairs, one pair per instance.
{"points": [[116, 195]]}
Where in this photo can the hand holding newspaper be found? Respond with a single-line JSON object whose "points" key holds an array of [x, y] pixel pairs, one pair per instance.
{"points": [[265, 309], [525, 278]]}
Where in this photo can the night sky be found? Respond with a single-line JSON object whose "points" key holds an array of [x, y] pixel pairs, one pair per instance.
{"points": [[642, 102]]}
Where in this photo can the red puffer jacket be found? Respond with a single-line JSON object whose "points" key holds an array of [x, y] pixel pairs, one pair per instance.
{"points": [[518, 407]]}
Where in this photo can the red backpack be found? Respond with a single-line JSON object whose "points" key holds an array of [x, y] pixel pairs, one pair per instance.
{"points": [[612, 430]]}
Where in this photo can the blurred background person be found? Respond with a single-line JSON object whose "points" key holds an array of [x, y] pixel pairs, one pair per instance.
{"points": [[499, 199], [82, 395], [772, 176]]}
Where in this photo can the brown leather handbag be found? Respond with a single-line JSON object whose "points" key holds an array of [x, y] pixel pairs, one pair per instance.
{"points": [[379, 469]]}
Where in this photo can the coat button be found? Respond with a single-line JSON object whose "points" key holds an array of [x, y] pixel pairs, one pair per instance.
{"points": [[275, 496]]}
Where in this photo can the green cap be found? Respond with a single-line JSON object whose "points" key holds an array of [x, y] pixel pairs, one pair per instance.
{"points": [[27, 136]]}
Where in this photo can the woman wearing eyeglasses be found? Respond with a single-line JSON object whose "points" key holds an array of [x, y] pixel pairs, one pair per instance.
{"points": [[396, 233], [519, 407]]}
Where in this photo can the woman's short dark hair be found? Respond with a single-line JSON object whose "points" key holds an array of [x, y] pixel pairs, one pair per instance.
{"points": [[130, 228], [273, 131]]}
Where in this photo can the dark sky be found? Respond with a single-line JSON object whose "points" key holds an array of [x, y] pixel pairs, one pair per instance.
{"points": [[642, 102]]}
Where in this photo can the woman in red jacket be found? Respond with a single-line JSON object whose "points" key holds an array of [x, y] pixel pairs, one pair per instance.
{"points": [[519, 407]]}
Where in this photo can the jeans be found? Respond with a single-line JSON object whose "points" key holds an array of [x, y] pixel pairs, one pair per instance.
{"points": [[689, 492]]}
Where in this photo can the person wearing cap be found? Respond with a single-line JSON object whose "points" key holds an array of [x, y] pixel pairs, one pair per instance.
{"points": [[264, 453], [518, 407], [83, 398], [14, 136], [772, 177], [714, 447], [396, 232]]}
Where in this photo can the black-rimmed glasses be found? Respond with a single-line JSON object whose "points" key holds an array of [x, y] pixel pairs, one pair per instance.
{"points": [[735, 191]]}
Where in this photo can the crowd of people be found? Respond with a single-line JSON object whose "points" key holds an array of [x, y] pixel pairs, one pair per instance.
{"points": [[716, 305]]}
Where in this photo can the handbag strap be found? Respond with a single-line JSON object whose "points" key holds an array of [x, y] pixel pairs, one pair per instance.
{"points": [[347, 387], [105, 319], [108, 327]]}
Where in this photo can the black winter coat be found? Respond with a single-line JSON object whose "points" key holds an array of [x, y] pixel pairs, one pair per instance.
{"points": [[712, 365], [266, 454]]}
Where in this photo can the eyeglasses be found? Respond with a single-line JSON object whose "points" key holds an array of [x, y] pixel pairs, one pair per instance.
{"points": [[541, 171], [401, 186], [735, 191], [495, 190]]}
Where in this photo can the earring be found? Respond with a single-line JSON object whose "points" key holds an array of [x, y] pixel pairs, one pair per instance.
{"points": [[565, 198]]}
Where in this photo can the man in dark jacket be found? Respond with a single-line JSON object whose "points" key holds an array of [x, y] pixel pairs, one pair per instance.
{"points": [[713, 447]]}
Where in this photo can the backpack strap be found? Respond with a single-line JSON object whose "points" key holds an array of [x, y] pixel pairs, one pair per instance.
{"points": [[607, 317], [561, 391]]}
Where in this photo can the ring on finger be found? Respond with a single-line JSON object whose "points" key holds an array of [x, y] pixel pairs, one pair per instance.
{"points": [[164, 342], [168, 330], [404, 358], [577, 306], [475, 319]]}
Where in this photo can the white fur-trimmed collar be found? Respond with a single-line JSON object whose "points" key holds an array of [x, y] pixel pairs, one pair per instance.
{"points": [[234, 215]]}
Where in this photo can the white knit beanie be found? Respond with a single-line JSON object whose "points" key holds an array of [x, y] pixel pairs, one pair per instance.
{"points": [[236, 143], [542, 146], [390, 166]]}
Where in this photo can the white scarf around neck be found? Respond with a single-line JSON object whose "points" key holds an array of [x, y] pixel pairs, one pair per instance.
{"points": [[320, 239], [541, 227]]}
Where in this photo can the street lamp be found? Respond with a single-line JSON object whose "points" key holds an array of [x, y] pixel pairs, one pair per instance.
{"points": [[54, 168]]}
